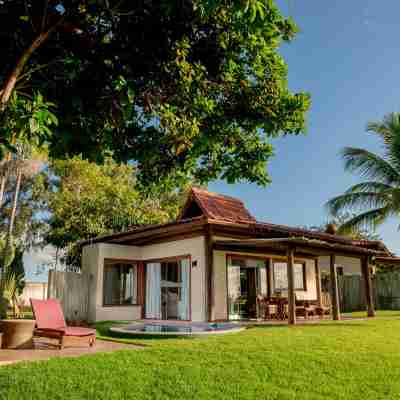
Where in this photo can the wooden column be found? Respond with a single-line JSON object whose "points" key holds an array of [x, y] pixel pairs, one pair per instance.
{"points": [[291, 294], [141, 286], [369, 297], [318, 282], [269, 278], [209, 274], [334, 289]]}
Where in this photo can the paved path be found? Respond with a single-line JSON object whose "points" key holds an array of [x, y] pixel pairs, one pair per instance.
{"points": [[44, 351]]}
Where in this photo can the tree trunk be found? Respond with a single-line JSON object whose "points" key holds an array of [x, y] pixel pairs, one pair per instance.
{"points": [[2, 189], [10, 82], [4, 180], [14, 208]]}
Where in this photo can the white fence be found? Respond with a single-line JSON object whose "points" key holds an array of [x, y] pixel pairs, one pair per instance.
{"points": [[71, 288], [34, 290]]}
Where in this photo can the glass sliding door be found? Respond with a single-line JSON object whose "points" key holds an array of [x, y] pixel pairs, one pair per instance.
{"points": [[247, 278], [167, 290]]}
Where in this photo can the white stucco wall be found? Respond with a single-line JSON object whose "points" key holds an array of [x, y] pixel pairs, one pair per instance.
{"points": [[93, 261]]}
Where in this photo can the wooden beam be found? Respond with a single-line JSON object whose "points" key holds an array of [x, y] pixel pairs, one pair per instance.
{"points": [[318, 282], [266, 252], [334, 289], [326, 252], [209, 273], [369, 297], [291, 294]]}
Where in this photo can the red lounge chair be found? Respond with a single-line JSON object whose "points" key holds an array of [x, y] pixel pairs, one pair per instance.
{"points": [[50, 323]]}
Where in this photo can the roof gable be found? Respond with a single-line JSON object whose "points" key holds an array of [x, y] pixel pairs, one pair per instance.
{"points": [[216, 207]]}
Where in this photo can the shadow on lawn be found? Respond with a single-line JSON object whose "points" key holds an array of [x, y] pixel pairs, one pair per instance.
{"points": [[340, 324]]}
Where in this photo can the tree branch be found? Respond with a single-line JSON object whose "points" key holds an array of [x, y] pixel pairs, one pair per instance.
{"points": [[15, 74]]}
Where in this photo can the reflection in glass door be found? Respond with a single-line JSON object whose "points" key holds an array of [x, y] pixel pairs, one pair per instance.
{"points": [[175, 289], [167, 290], [247, 278]]}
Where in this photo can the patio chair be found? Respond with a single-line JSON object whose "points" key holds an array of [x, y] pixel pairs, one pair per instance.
{"points": [[326, 305], [268, 310], [305, 309], [50, 323]]}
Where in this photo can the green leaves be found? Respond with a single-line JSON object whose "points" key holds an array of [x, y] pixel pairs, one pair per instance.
{"points": [[87, 200], [29, 120]]}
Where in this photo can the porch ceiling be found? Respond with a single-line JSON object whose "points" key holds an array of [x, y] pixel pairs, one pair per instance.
{"points": [[301, 245]]}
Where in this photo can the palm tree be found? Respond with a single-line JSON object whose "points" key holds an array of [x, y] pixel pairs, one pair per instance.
{"points": [[377, 198]]}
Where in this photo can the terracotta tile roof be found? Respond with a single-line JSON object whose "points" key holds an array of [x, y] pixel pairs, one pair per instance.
{"points": [[204, 207], [219, 207]]}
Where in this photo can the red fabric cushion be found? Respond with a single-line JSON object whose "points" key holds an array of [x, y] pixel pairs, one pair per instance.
{"points": [[48, 314], [78, 331]]}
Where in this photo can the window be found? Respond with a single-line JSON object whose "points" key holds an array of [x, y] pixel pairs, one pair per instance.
{"points": [[119, 283], [280, 276], [340, 271]]}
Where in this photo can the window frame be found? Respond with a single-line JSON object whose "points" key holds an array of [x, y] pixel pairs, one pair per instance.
{"points": [[126, 262], [303, 263]]}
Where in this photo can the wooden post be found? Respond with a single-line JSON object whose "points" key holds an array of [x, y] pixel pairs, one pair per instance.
{"points": [[141, 286], [318, 282], [291, 294], [334, 289], [269, 278], [369, 297], [209, 273]]}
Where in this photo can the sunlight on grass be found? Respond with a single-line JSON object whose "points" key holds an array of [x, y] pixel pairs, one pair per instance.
{"points": [[331, 360]]}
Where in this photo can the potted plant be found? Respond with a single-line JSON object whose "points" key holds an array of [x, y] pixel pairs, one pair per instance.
{"points": [[17, 332]]}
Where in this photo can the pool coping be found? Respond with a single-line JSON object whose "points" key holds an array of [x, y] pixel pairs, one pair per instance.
{"points": [[122, 329]]}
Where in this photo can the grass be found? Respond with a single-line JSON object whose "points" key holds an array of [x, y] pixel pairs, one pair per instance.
{"points": [[344, 360]]}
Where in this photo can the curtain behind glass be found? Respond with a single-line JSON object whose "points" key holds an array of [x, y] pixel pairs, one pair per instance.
{"points": [[262, 280], [184, 302], [153, 290]]}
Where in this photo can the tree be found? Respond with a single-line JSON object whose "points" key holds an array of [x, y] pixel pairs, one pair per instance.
{"points": [[188, 89], [378, 197], [86, 200], [17, 268]]}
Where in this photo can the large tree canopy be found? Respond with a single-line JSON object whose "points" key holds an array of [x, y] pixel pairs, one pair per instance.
{"points": [[185, 89]]}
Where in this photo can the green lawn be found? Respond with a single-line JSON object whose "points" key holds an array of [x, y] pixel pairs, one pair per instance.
{"points": [[345, 360]]}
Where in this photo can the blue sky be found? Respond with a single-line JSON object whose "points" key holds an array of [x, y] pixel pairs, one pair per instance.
{"points": [[347, 56]]}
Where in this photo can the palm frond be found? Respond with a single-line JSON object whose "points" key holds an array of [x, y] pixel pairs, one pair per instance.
{"points": [[368, 220], [389, 130], [360, 200], [369, 165], [370, 186]]}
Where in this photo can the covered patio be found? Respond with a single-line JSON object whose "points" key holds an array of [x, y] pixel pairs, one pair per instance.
{"points": [[291, 248]]}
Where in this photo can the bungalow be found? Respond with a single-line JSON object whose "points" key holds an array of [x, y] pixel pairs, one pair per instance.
{"points": [[215, 262]]}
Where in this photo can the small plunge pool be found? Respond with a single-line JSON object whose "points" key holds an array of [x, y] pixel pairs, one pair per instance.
{"points": [[177, 329]]}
